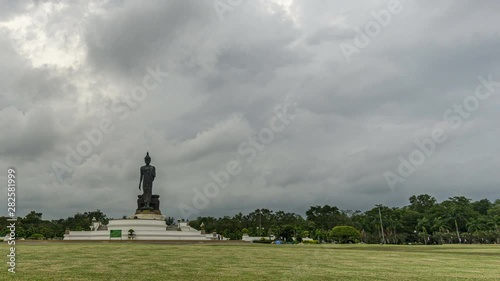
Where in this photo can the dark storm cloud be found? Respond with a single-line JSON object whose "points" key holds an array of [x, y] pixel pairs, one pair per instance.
{"points": [[226, 78], [133, 35]]}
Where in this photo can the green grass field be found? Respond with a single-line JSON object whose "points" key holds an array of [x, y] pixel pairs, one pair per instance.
{"points": [[134, 261]]}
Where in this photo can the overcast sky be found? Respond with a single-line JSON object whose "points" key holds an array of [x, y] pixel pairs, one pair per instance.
{"points": [[352, 112]]}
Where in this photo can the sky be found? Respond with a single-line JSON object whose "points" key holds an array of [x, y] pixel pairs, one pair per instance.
{"points": [[278, 104]]}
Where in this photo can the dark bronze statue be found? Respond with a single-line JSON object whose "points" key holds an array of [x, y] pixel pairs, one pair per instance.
{"points": [[148, 174]]}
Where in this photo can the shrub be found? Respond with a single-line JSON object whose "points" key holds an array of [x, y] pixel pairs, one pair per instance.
{"points": [[262, 241], [244, 230], [310, 241], [36, 236]]}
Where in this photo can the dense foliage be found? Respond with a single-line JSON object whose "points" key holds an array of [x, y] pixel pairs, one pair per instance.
{"points": [[424, 220], [344, 234], [33, 224]]}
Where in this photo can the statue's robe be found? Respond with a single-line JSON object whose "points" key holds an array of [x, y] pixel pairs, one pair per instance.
{"points": [[149, 174]]}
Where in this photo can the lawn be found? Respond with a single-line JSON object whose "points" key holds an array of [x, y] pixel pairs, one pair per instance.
{"points": [[135, 261]]}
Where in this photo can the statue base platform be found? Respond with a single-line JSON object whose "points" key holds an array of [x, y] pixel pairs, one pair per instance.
{"points": [[154, 204], [148, 215], [144, 229]]}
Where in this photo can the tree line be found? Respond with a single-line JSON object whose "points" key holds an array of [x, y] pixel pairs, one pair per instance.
{"points": [[455, 220], [423, 221]]}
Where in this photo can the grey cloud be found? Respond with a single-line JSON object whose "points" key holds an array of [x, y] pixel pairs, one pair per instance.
{"points": [[225, 80]]}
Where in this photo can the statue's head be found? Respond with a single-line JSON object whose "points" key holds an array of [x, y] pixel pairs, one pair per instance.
{"points": [[147, 159]]}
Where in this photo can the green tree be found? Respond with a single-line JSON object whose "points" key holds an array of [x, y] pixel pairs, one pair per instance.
{"points": [[345, 234], [326, 217]]}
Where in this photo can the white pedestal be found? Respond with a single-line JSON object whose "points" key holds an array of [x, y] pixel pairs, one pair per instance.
{"points": [[144, 229]]}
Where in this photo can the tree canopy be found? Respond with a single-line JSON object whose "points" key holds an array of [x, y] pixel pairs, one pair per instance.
{"points": [[455, 220]]}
